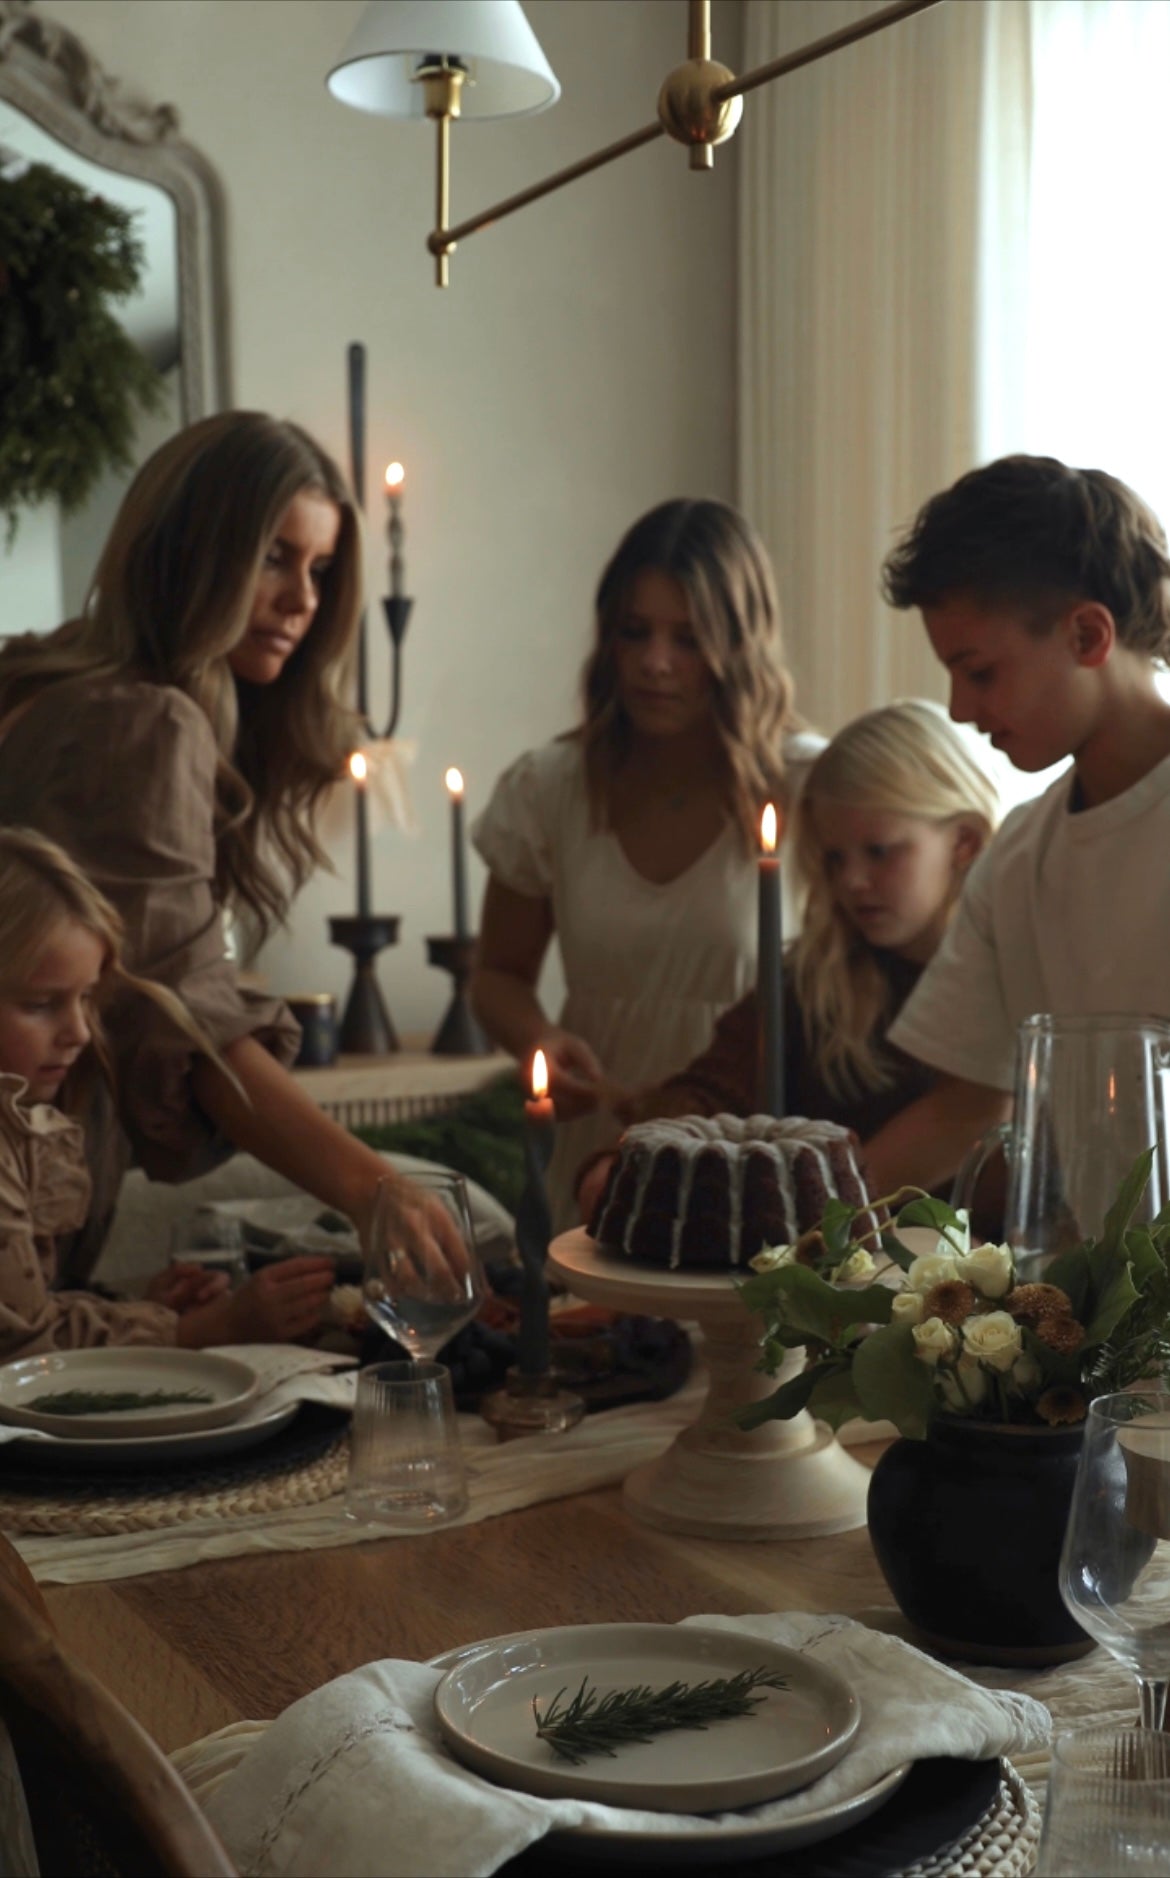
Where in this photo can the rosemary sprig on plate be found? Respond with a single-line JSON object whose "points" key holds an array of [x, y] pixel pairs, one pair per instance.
{"points": [[111, 1401], [593, 1724]]}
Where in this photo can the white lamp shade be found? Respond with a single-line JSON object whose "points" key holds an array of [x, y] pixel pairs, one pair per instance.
{"points": [[508, 74]]}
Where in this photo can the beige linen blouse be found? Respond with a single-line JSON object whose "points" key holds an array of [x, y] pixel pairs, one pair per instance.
{"points": [[44, 1192], [122, 774]]}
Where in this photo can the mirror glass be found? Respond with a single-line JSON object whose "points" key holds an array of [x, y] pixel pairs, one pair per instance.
{"points": [[57, 107]]}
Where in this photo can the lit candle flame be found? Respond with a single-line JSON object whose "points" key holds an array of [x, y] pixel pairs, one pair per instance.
{"points": [[539, 1075], [454, 782], [358, 767], [768, 828], [395, 478]]}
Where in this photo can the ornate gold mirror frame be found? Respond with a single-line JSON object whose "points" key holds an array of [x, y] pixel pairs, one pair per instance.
{"points": [[50, 75]]}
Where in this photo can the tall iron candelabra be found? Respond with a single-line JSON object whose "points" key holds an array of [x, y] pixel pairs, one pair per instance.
{"points": [[366, 1026]]}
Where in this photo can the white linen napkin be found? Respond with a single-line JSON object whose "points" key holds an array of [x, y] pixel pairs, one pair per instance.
{"points": [[355, 1780]]}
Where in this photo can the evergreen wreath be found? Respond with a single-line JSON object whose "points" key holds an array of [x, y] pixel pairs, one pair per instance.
{"points": [[72, 381]]}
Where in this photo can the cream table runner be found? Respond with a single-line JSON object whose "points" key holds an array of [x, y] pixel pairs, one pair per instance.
{"points": [[502, 1477]]}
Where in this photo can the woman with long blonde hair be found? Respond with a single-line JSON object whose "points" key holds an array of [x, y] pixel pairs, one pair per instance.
{"points": [[893, 812], [176, 739], [633, 839], [60, 964]]}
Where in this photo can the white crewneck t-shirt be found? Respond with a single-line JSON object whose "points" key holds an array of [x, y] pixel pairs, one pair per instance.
{"points": [[1066, 913]]}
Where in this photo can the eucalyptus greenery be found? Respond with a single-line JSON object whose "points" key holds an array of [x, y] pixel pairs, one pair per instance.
{"points": [[593, 1724], [72, 382], [958, 1334]]}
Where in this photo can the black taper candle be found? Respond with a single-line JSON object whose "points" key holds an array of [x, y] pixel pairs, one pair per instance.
{"points": [[533, 1232]]}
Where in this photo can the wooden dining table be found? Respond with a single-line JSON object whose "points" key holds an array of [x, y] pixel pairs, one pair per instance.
{"points": [[190, 1651]]}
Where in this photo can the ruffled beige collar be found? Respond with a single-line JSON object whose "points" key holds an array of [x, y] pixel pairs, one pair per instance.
{"points": [[51, 1148]]}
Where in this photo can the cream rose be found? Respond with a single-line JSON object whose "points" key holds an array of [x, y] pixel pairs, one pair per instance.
{"points": [[907, 1308], [990, 1268], [933, 1268], [857, 1267], [964, 1385], [770, 1257], [995, 1339], [934, 1340]]}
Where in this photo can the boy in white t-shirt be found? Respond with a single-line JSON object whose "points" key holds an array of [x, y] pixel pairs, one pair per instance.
{"points": [[1045, 591]]}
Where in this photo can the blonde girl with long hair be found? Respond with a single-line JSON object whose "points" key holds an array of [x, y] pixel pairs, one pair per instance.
{"points": [[893, 812], [60, 965], [177, 739], [633, 838]]}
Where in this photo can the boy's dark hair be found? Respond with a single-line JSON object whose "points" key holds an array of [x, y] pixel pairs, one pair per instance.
{"points": [[1031, 530]]}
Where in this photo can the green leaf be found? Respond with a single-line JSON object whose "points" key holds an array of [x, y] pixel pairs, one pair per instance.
{"points": [[835, 1399], [801, 1300], [1116, 1300], [787, 1400], [891, 1382], [1124, 1206], [1071, 1273], [929, 1212], [894, 1249], [837, 1226]]}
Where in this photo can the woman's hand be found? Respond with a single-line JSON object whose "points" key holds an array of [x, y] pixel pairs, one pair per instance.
{"points": [[279, 1304], [576, 1080], [181, 1287], [419, 1226]]}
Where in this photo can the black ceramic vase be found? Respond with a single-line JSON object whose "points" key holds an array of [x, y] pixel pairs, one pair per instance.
{"points": [[968, 1526]]}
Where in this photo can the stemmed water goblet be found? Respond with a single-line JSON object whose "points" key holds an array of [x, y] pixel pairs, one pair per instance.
{"points": [[1115, 1566], [423, 1276]]}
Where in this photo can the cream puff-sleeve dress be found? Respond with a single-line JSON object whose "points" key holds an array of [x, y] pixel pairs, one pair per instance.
{"points": [[647, 968]]}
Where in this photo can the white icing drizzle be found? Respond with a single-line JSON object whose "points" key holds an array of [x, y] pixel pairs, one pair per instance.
{"points": [[734, 1136]]}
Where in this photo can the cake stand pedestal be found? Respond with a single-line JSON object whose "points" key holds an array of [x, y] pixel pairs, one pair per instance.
{"points": [[786, 1480]]}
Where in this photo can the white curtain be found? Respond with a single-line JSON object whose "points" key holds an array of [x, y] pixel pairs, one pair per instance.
{"points": [[872, 183], [1084, 374]]}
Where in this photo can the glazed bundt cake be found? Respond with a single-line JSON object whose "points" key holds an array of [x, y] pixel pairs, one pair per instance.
{"points": [[706, 1192]]}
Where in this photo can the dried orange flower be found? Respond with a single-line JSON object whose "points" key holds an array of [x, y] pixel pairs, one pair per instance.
{"points": [[1059, 1332], [1028, 1303], [952, 1300], [1060, 1405]]}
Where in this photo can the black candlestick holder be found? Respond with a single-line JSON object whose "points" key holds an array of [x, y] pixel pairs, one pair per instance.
{"points": [[459, 1034], [532, 1401], [366, 1027]]}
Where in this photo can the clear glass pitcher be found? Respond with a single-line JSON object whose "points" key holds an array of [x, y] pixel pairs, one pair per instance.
{"points": [[1091, 1094]]}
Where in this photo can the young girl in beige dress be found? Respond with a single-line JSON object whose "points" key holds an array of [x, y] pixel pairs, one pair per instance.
{"points": [[634, 838], [59, 966], [176, 741]]}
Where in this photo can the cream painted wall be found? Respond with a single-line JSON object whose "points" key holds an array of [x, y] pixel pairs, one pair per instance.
{"points": [[579, 368]]}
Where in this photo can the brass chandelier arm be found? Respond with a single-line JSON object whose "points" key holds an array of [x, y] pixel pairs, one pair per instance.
{"points": [[820, 48], [442, 239]]}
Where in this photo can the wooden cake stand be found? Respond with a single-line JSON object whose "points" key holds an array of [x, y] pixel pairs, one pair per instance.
{"points": [[786, 1480]]}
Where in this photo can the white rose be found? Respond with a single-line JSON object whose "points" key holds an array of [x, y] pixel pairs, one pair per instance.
{"points": [[934, 1268], [963, 1386], [1026, 1373], [934, 1340], [858, 1266], [773, 1256], [995, 1339], [990, 1268], [907, 1308]]}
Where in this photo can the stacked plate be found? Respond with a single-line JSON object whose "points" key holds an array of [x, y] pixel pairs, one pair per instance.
{"points": [[132, 1407], [484, 1707]]}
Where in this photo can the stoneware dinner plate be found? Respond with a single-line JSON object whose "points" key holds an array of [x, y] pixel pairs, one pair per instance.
{"points": [[225, 1384], [138, 1452], [484, 1708]]}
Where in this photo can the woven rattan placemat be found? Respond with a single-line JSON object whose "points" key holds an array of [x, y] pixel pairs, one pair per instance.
{"points": [[304, 1463]]}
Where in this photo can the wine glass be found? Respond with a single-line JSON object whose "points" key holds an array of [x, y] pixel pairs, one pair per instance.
{"points": [[1115, 1566], [423, 1276]]}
